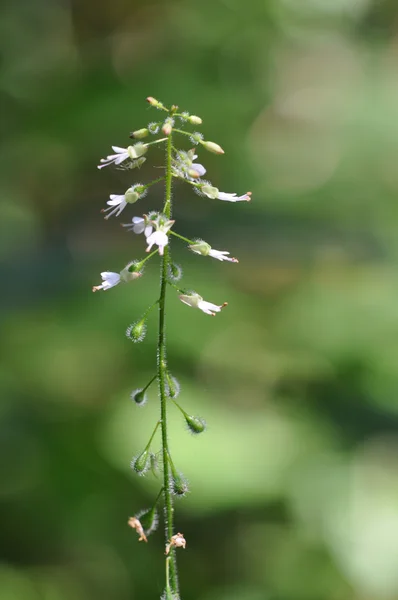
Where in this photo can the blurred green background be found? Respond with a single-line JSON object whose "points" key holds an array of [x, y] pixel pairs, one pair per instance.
{"points": [[294, 487]]}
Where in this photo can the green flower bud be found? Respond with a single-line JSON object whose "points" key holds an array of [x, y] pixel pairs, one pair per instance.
{"points": [[209, 190], [201, 247], [136, 332], [139, 134], [195, 424], [141, 463], [179, 484], [195, 120], [153, 102], [137, 150], [212, 147]]}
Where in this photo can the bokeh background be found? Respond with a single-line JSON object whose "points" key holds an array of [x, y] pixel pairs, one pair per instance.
{"points": [[294, 487]]}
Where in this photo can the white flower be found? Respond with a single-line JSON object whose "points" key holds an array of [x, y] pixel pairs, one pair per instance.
{"points": [[109, 280], [203, 248], [213, 192], [122, 154], [233, 197], [159, 236], [197, 301], [118, 202], [140, 225]]}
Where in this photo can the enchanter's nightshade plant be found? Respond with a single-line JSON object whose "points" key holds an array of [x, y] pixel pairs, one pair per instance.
{"points": [[158, 229]]}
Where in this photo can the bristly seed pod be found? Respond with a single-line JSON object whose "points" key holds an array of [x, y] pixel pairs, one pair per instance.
{"points": [[136, 332], [141, 463], [173, 387], [179, 484], [175, 272], [195, 425], [139, 396], [149, 520], [169, 595]]}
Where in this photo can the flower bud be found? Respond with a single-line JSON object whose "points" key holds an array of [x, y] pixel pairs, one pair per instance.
{"points": [[141, 463], [168, 126], [136, 332], [195, 120], [194, 174], [139, 134], [210, 191], [149, 520], [175, 272], [139, 396], [212, 147], [179, 485], [137, 150], [195, 424], [153, 102], [201, 247]]}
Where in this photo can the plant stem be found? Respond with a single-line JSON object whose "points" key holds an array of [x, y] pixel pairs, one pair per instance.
{"points": [[182, 237], [162, 370]]}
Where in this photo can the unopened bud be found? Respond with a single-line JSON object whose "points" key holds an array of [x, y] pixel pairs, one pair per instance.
{"points": [[167, 127], [213, 147], [195, 424], [137, 150], [210, 191], [179, 485], [139, 396], [194, 174], [195, 120], [139, 134], [141, 463], [153, 102], [201, 247], [136, 332]]}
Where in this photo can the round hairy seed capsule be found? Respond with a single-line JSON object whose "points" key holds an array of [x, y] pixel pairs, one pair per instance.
{"points": [[141, 463], [195, 425]]}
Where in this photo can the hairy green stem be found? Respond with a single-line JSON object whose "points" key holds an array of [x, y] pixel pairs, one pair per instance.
{"points": [[162, 373]]}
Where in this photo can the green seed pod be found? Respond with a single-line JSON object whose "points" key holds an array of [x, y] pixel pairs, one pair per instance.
{"points": [[136, 332], [175, 272], [139, 396], [179, 484], [172, 386], [141, 463], [195, 424], [149, 520]]}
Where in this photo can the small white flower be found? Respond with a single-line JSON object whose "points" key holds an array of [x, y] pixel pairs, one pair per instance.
{"points": [[203, 248], [212, 192], [139, 225], [197, 301], [118, 202], [109, 280], [122, 154], [159, 236], [233, 197]]}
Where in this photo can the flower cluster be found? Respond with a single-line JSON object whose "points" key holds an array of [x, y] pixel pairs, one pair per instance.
{"points": [[158, 228]]}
